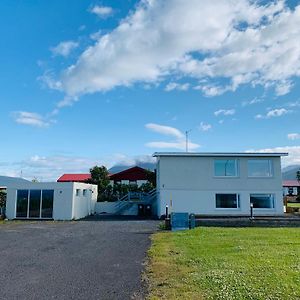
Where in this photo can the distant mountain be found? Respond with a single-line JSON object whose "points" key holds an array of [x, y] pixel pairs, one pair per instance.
{"points": [[145, 165], [289, 173]]}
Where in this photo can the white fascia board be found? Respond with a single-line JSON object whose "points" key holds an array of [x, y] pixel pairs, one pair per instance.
{"points": [[219, 154]]}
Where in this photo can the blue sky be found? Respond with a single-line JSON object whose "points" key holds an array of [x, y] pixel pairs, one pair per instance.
{"points": [[111, 82]]}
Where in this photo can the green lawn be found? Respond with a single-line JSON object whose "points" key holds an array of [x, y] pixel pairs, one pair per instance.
{"points": [[293, 204], [225, 263]]}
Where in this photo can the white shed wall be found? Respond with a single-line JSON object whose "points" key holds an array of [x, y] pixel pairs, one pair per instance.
{"points": [[65, 205], [84, 205]]}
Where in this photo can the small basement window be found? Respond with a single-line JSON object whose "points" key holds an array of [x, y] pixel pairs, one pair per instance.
{"points": [[227, 201]]}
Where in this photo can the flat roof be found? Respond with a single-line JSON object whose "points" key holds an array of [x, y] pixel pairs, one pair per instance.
{"points": [[222, 154]]}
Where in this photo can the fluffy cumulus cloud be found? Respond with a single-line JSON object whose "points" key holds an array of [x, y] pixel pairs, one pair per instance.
{"points": [[64, 48], [178, 142], [293, 157], [278, 112], [241, 42], [31, 119], [293, 136], [102, 11]]}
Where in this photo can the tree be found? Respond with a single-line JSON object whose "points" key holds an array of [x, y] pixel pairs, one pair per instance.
{"points": [[151, 177], [298, 178], [2, 198], [99, 176], [146, 187]]}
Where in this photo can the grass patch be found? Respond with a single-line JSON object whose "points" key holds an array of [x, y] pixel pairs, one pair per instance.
{"points": [[225, 263], [290, 204]]}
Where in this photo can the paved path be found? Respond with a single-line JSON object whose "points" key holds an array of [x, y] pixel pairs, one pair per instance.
{"points": [[73, 260]]}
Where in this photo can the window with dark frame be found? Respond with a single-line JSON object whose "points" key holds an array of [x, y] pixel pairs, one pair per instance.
{"points": [[262, 200], [227, 201]]}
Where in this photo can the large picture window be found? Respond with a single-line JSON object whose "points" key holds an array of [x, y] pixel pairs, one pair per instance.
{"points": [[262, 200], [227, 201], [226, 167], [35, 204], [260, 168], [47, 204], [22, 204]]}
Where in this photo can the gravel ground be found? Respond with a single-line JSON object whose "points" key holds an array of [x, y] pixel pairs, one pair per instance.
{"points": [[73, 260]]}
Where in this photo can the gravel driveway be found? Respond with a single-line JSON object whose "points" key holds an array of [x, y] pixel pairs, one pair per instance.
{"points": [[73, 260]]}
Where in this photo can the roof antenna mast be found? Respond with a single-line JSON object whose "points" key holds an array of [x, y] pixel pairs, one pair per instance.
{"points": [[187, 140]]}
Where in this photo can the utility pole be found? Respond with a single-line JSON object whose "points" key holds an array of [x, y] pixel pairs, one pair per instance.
{"points": [[187, 140]]}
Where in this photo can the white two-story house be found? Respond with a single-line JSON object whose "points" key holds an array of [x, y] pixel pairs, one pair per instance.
{"points": [[220, 184]]}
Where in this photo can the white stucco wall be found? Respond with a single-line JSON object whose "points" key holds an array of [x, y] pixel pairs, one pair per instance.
{"points": [[191, 184], [66, 206], [106, 207], [83, 205]]}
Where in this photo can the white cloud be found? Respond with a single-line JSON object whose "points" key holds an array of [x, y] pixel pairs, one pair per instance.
{"points": [[283, 87], [102, 11], [147, 47], [224, 112], [177, 86], [293, 136], [49, 80], [64, 48], [166, 130], [96, 35], [211, 90], [278, 112], [179, 143], [294, 104], [204, 127], [292, 159], [30, 118], [252, 101]]}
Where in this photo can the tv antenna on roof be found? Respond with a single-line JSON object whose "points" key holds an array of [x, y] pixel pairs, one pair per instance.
{"points": [[187, 140]]}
